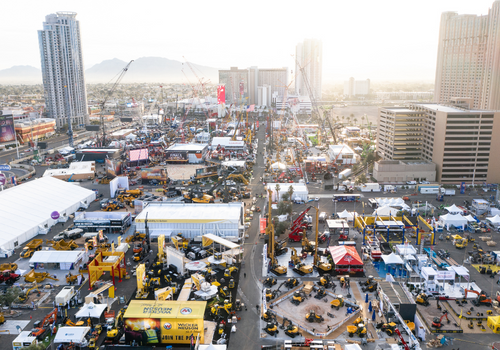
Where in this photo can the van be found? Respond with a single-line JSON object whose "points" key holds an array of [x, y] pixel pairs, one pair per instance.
{"points": [[411, 182]]}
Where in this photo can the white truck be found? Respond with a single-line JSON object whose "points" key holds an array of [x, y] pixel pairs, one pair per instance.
{"points": [[370, 187], [65, 295], [448, 191], [322, 217], [388, 188], [345, 173]]}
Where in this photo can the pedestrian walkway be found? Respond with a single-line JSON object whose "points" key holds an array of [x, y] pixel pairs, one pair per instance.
{"points": [[364, 310]]}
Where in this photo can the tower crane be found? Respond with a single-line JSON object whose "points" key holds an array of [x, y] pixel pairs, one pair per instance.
{"points": [[106, 98]]}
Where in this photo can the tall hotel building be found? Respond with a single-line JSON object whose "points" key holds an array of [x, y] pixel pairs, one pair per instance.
{"points": [[468, 62], [62, 69], [309, 62]]}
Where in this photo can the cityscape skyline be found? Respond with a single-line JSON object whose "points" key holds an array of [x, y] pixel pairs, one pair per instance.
{"points": [[356, 50]]}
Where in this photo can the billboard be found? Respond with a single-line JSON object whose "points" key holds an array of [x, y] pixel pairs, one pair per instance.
{"points": [[7, 133], [159, 174], [177, 156], [113, 168], [221, 94], [138, 154], [206, 172]]}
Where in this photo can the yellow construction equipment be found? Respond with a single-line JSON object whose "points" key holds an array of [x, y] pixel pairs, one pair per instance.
{"points": [[8, 266], [313, 317], [140, 273], [31, 248], [275, 267], [238, 177], [72, 279], [63, 245], [338, 302], [298, 297], [23, 297], [136, 237], [37, 277], [180, 242], [320, 265], [114, 326]]}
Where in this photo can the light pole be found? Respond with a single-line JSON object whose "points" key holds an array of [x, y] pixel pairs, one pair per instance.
{"points": [[335, 201]]}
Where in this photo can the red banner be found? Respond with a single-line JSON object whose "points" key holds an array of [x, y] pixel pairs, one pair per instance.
{"points": [[221, 94], [263, 224]]}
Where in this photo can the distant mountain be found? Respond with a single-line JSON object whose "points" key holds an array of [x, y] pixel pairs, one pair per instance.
{"points": [[149, 69], [21, 75], [142, 70]]}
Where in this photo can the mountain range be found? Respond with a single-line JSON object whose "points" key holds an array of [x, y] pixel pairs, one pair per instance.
{"points": [[142, 70]]}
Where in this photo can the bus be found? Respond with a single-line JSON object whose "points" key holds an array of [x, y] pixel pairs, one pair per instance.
{"points": [[347, 197]]}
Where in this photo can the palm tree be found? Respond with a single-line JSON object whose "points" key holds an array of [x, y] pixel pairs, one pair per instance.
{"points": [[343, 120], [355, 121], [362, 119]]}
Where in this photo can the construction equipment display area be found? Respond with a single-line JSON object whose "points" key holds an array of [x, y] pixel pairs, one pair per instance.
{"points": [[325, 315], [431, 313]]}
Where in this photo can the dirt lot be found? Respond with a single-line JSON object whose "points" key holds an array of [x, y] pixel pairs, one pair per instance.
{"points": [[429, 312], [182, 171]]}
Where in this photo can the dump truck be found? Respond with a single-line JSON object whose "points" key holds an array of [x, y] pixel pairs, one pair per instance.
{"points": [[37, 277], [31, 248], [63, 245]]}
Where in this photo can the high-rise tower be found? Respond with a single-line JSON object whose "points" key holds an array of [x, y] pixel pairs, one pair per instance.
{"points": [[309, 62], [62, 69], [468, 62]]}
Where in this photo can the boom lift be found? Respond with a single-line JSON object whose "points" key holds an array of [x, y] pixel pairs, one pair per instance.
{"points": [[322, 266]]}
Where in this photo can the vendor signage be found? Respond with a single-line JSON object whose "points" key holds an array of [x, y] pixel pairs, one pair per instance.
{"points": [[5, 167], [3, 179], [54, 215], [445, 275]]}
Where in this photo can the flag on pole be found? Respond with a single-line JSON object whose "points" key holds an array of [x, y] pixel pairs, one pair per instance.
{"points": [[13, 180]]}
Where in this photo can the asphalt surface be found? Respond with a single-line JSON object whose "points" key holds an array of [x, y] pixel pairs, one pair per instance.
{"points": [[249, 328]]}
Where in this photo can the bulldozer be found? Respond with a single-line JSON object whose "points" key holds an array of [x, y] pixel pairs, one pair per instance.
{"points": [[290, 330], [298, 297], [313, 317], [422, 299], [338, 302]]}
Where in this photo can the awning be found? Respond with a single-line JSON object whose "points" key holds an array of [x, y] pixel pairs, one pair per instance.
{"points": [[392, 259], [460, 270], [454, 209], [345, 215], [71, 334], [91, 310], [210, 238], [345, 255]]}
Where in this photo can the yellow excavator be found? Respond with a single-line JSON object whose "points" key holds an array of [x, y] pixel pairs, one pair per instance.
{"points": [[275, 267], [238, 177], [298, 297], [115, 329], [23, 297]]}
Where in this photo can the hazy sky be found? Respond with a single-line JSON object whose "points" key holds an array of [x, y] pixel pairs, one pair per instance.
{"points": [[380, 40]]}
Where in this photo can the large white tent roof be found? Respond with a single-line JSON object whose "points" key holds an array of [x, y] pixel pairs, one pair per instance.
{"points": [[178, 212], [56, 256], [385, 211], [495, 219], [91, 310], [26, 209], [454, 209], [392, 259], [71, 334]]}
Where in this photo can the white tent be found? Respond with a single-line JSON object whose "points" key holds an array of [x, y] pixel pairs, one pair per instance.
{"points": [[26, 210], [470, 218], [385, 211], [345, 215], [66, 259], [455, 220], [71, 334], [278, 165], [494, 220], [454, 209], [91, 310], [392, 259]]}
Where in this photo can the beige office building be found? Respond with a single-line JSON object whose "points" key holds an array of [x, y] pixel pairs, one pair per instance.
{"points": [[468, 62], [463, 143]]}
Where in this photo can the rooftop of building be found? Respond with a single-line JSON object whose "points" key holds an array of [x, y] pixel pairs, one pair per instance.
{"points": [[188, 147]]}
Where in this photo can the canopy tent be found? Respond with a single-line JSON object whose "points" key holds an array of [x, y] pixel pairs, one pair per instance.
{"points": [[405, 249], [71, 335], [427, 272], [278, 165], [493, 323], [454, 209], [385, 211], [91, 310], [345, 255], [299, 190], [494, 220], [392, 202], [211, 238], [461, 271], [410, 257], [470, 218], [65, 258], [392, 259], [456, 220], [345, 215]]}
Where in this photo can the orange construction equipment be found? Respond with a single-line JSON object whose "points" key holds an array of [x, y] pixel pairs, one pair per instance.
{"points": [[482, 298]]}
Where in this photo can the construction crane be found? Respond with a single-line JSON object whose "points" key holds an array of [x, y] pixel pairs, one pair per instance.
{"points": [[275, 268], [106, 98]]}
